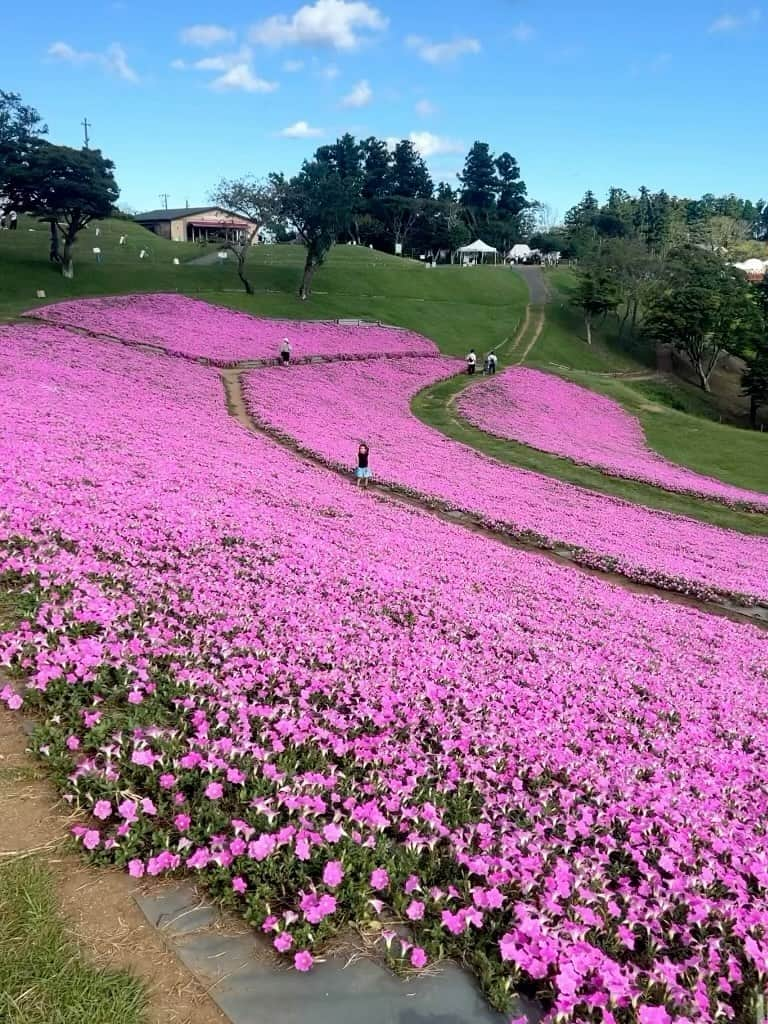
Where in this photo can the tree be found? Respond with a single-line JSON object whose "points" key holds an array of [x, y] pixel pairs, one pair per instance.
{"points": [[67, 188], [408, 176], [18, 122], [512, 191], [754, 382], [703, 307], [345, 157], [377, 168], [479, 184], [597, 293], [256, 200], [319, 204]]}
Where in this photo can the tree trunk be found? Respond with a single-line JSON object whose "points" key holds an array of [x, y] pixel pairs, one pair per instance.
{"points": [[623, 322], [54, 256], [703, 376], [588, 325], [305, 288], [241, 272], [753, 412], [67, 266]]}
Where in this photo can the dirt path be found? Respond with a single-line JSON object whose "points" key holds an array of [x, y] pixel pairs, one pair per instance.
{"points": [[96, 903]]}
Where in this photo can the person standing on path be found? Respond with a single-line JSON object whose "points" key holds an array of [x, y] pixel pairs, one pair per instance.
{"points": [[471, 362], [362, 473], [13, 220], [285, 352], [492, 361]]}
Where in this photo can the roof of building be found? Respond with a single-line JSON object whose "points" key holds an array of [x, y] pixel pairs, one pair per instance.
{"points": [[184, 211]]}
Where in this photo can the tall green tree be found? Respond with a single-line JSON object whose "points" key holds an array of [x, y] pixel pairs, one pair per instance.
{"points": [[479, 185], [703, 307], [256, 200], [319, 204], [597, 292], [377, 168], [67, 188], [345, 157]]}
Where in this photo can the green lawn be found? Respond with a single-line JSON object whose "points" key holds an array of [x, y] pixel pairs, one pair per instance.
{"points": [[563, 346], [44, 979], [456, 307]]}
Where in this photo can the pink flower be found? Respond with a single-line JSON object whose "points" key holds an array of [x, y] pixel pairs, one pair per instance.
{"points": [[412, 884], [379, 879], [333, 873], [135, 868], [135, 697], [14, 702], [283, 943], [167, 781], [418, 958], [303, 961], [91, 839], [214, 790], [653, 1015], [182, 822], [239, 884], [148, 807], [332, 833], [415, 911], [102, 809], [73, 743]]}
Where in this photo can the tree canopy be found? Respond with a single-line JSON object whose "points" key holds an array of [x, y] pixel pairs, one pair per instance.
{"points": [[67, 188]]}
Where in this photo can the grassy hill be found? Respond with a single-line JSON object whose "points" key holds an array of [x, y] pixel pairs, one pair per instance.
{"points": [[455, 307]]}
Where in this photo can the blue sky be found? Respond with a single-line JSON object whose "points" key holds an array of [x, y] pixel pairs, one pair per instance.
{"points": [[667, 94]]}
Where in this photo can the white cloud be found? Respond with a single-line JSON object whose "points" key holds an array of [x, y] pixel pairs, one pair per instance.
{"points": [[442, 53], [523, 32], [300, 130], [330, 71], [292, 66], [206, 35], [241, 76], [734, 22], [179, 65], [114, 60], [360, 96], [434, 145], [223, 61], [334, 23], [425, 109]]}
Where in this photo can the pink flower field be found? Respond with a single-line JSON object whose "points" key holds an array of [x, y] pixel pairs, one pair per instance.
{"points": [[556, 416], [223, 337], [327, 409], [327, 707]]}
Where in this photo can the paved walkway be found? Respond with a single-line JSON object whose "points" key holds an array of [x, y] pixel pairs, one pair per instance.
{"points": [[536, 281]]}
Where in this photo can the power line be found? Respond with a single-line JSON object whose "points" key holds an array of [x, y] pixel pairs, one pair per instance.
{"points": [[164, 198], [86, 125]]}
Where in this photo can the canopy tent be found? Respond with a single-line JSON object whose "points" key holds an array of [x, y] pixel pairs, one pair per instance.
{"points": [[755, 269], [479, 250], [520, 253]]}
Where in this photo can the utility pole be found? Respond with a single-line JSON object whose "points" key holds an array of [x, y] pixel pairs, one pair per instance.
{"points": [[164, 198], [86, 125]]}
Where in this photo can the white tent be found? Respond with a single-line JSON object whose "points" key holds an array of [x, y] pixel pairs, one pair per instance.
{"points": [[520, 253], [752, 264], [478, 250]]}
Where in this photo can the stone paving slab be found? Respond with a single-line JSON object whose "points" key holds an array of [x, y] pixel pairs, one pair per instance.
{"points": [[243, 978]]}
